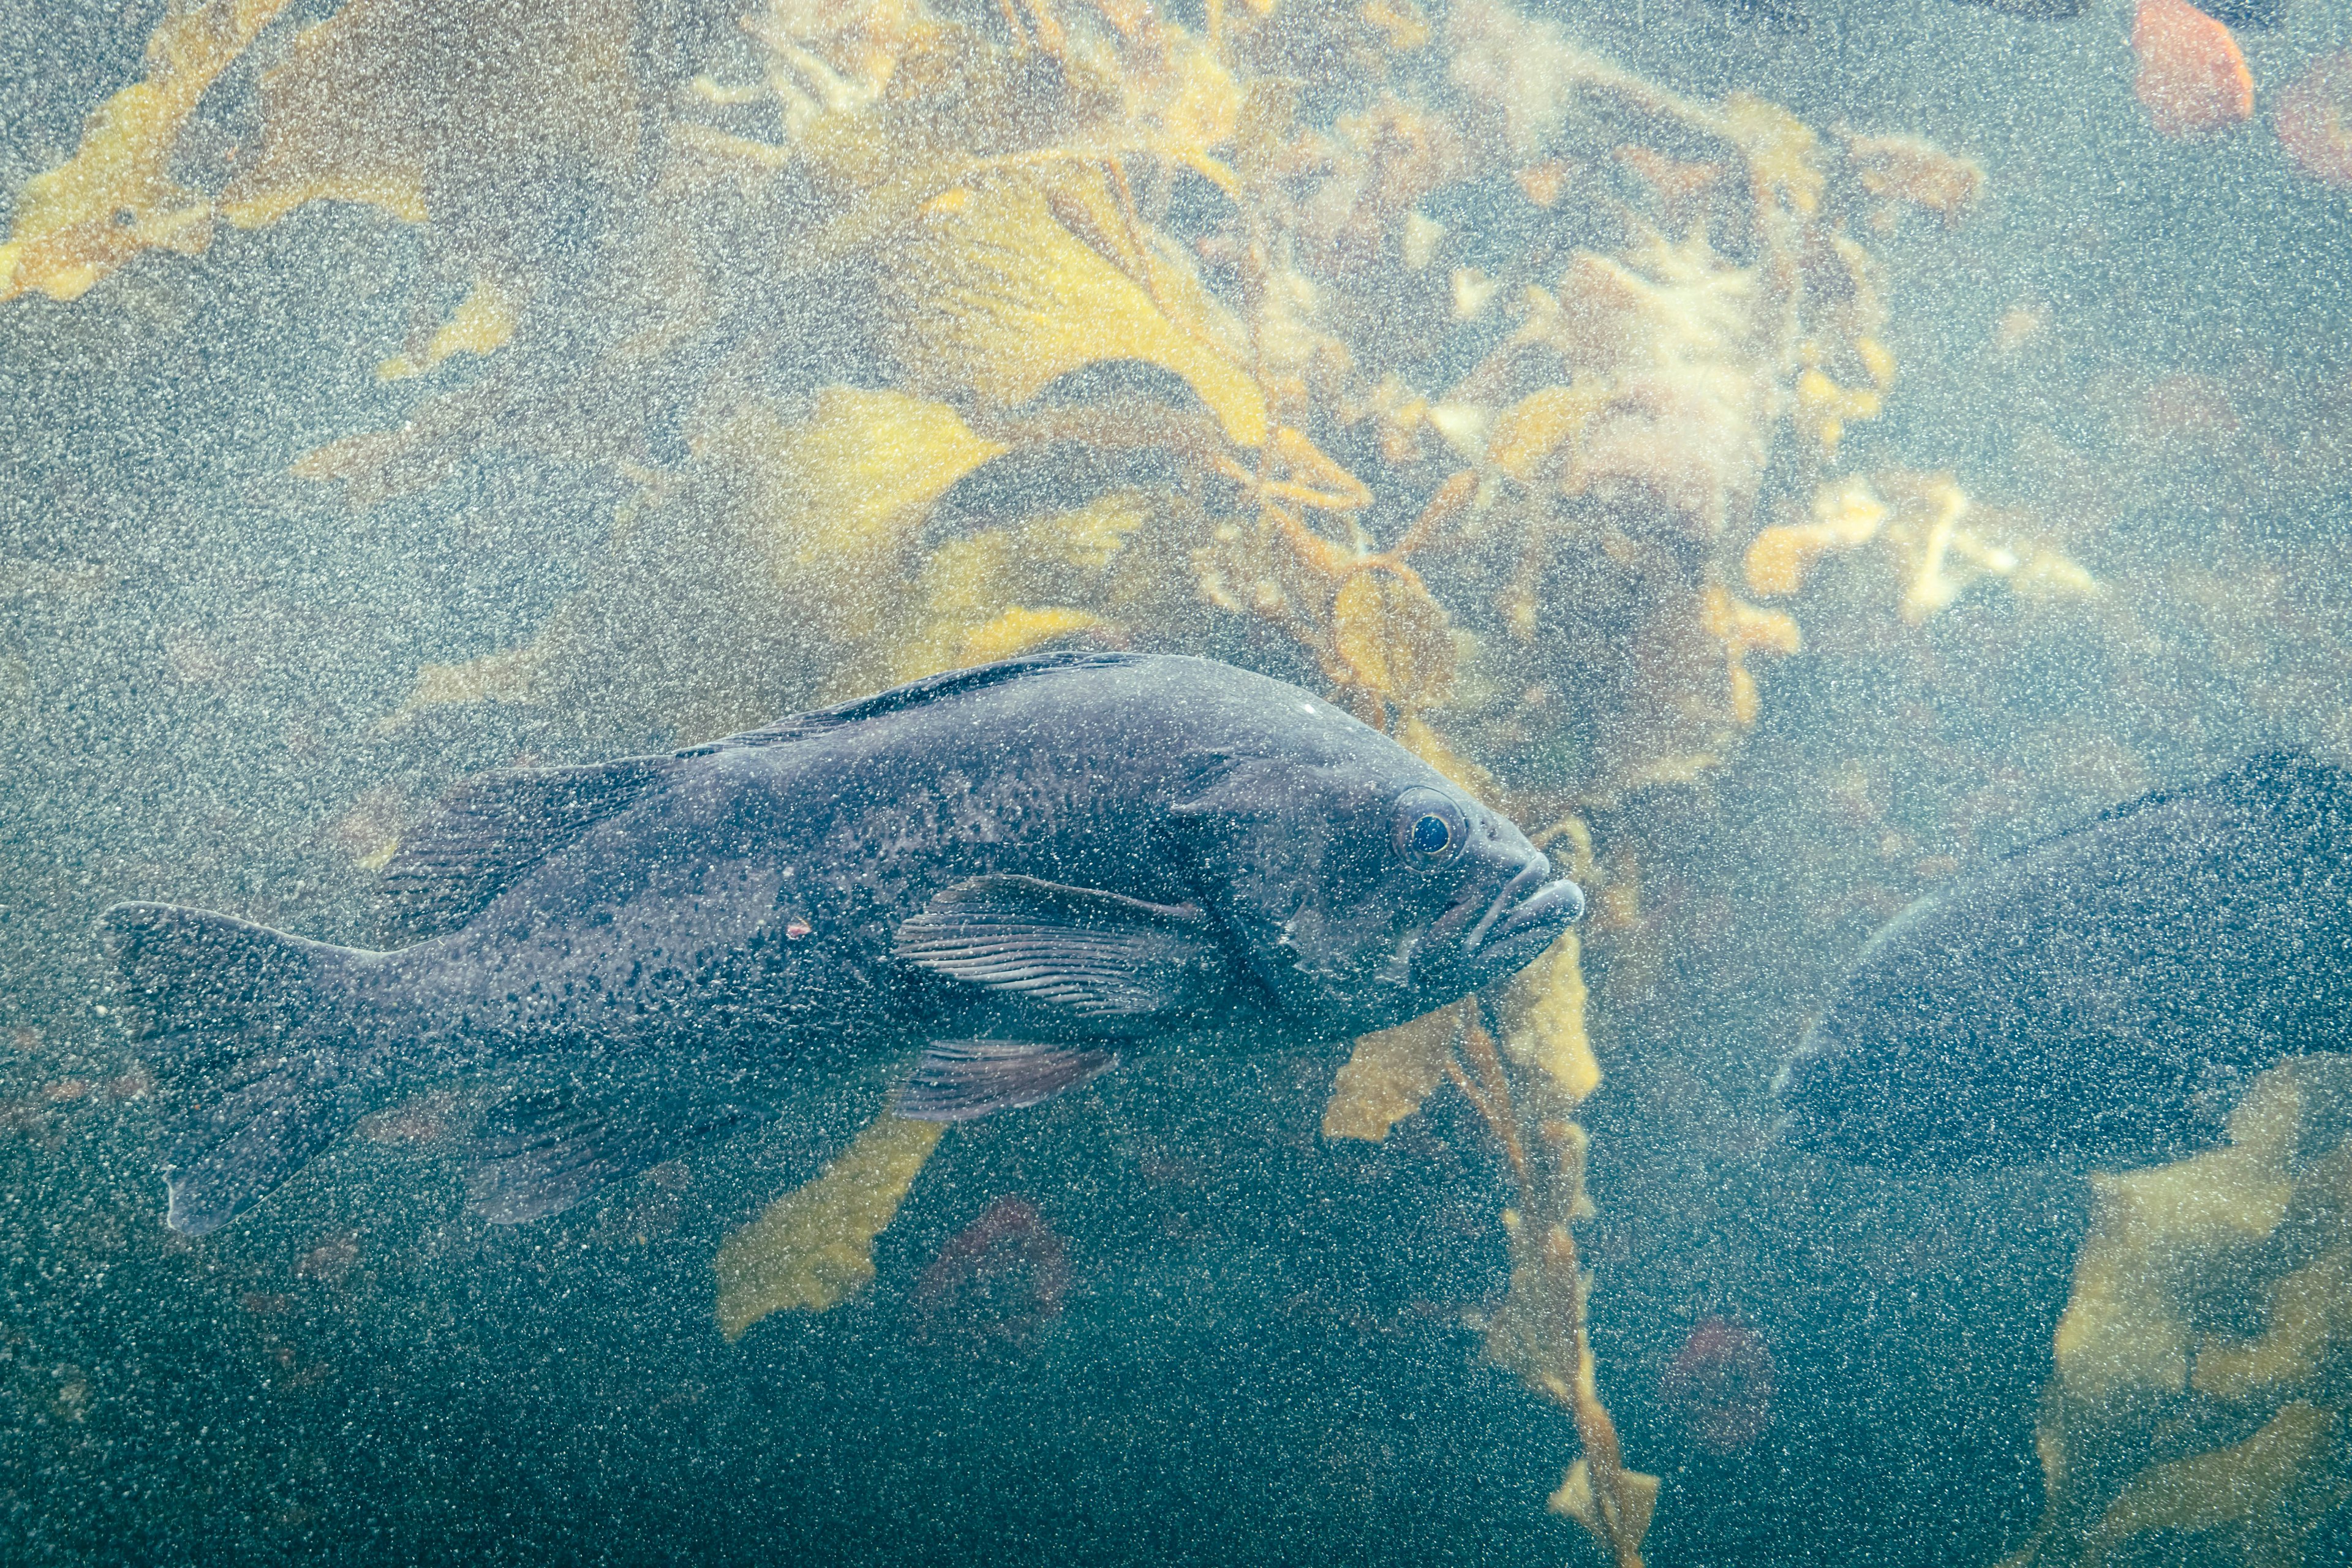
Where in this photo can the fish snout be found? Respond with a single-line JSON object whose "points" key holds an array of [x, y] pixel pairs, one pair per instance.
{"points": [[1531, 903]]}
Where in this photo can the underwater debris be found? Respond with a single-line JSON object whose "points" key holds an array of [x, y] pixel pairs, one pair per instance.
{"points": [[2198, 1386]]}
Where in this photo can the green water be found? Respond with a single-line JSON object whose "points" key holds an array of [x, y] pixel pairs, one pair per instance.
{"points": [[1266, 1352]]}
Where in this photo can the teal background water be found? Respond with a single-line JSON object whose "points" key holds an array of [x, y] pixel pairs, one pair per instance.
{"points": [[1263, 1357]]}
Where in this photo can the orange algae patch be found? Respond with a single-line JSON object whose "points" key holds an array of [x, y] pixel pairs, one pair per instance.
{"points": [[2192, 76], [2314, 120], [115, 196], [1914, 170]]}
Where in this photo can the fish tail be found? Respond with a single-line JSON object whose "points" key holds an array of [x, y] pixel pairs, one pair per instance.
{"points": [[238, 1024]]}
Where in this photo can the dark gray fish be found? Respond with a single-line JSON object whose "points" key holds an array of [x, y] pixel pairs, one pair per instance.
{"points": [[2260, 15], [1006, 873], [2103, 996]]}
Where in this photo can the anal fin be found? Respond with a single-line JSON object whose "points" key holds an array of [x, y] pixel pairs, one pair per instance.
{"points": [[960, 1080], [540, 1151]]}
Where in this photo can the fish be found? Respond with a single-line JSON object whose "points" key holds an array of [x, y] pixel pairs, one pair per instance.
{"points": [[2261, 15], [1007, 875], [2101, 998], [2192, 77]]}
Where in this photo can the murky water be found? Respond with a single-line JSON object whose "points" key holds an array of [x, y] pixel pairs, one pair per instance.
{"points": [[452, 388]]}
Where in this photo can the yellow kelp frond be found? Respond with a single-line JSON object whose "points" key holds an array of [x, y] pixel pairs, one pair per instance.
{"points": [[968, 588], [482, 324], [813, 1248], [2127, 1327], [1947, 554], [1824, 407], [1844, 515], [1179, 95], [1781, 151], [840, 495], [1544, 1019], [1392, 638], [1086, 538], [115, 197], [1016, 631], [2276, 1485], [502, 677], [1536, 437], [829, 58], [420, 109], [1541, 1331], [991, 595], [1743, 629], [2210, 1300], [1389, 1074], [997, 298]]}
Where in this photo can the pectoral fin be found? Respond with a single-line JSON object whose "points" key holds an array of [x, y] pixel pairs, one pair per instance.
{"points": [[957, 1080], [1099, 954]]}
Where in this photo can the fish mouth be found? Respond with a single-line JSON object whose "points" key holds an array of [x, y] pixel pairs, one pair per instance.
{"points": [[1529, 905]]}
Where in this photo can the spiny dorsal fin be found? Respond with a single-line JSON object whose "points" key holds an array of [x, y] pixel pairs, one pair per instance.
{"points": [[915, 694], [491, 829]]}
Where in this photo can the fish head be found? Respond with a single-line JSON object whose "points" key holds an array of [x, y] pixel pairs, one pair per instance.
{"points": [[1367, 890]]}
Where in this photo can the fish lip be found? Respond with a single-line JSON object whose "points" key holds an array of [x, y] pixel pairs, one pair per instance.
{"points": [[1512, 915]]}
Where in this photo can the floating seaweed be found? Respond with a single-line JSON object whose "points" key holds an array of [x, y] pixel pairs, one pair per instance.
{"points": [[2199, 1385]]}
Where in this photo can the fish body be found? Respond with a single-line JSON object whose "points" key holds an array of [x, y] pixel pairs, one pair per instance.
{"points": [[2103, 996], [1006, 873]]}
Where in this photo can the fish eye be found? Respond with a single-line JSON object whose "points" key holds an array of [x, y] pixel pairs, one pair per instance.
{"points": [[1428, 827]]}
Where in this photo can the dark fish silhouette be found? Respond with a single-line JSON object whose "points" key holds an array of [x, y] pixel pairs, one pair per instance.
{"points": [[2103, 996], [1004, 872], [2262, 16]]}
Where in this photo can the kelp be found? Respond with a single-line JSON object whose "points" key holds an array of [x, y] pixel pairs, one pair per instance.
{"points": [[115, 197], [813, 1247], [2203, 1366]]}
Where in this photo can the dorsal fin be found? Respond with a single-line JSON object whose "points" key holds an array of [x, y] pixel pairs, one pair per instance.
{"points": [[915, 694], [489, 830], [492, 828]]}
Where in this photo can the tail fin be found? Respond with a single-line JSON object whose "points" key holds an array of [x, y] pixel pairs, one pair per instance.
{"points": [[231, 1014]]}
